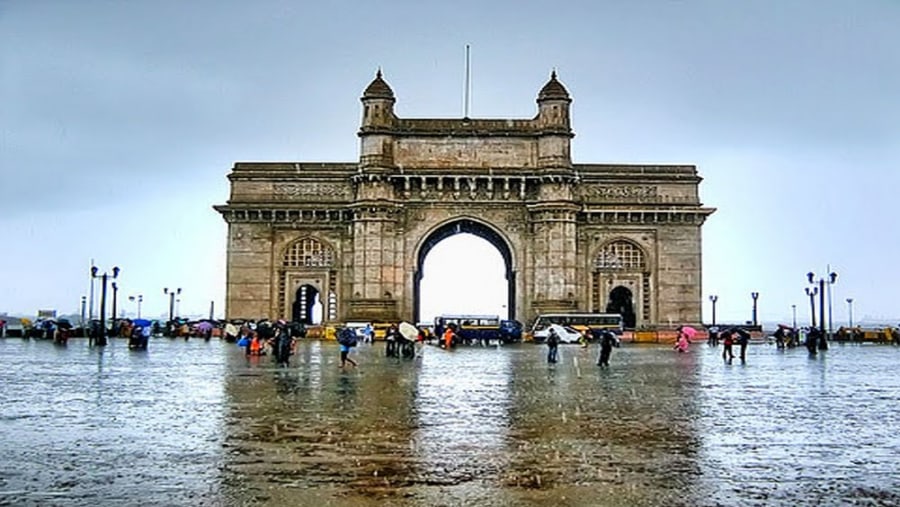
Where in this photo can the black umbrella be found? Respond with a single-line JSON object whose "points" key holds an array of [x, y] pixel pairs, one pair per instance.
{"points": [[64, 324], [742, 332]]}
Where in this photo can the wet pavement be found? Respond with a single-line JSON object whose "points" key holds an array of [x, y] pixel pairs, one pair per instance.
{"points": [[198, 423]]}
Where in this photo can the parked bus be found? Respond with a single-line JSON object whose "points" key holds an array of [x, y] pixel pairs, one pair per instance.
{"points": [[480, 328], [581, 322]]}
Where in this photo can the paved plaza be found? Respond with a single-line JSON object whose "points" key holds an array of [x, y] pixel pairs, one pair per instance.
{"points": [[199, 423]]}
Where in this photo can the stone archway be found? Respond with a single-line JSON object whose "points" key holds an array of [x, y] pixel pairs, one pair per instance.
{"points": [[459, 226], [621, 301], [355, 229]]}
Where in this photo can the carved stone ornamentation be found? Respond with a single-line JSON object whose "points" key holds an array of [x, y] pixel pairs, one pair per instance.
{"points": [[321, 190]]}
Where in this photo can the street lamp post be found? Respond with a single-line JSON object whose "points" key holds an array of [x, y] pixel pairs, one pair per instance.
{"points": [[713, 299], [794, 311], [115, 288], [83, 305], [811, 292], [140, 299], [832, 277], [755, 296], [101, 338], [850, 311], [171, 302]]}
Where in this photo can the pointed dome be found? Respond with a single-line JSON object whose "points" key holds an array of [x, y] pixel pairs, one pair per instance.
{"points": [[553, 90], [378, 89]]}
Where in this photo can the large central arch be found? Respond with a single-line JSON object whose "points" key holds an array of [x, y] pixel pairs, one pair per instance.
{"points": [[458, 226]]}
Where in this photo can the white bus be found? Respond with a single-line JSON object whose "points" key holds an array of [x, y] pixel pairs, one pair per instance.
{"points": [[580, 322]]}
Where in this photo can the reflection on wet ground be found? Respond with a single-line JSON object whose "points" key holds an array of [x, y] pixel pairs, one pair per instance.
{"points": [[197, 423]]}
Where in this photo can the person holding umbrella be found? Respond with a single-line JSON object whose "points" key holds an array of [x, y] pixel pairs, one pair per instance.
{"points": [[553, 345], [347, 340], [607, 342], [743, 340], [727, 342], [682, 342]]}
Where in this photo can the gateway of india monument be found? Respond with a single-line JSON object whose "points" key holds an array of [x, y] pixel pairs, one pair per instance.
{"points": [[353, 237]]}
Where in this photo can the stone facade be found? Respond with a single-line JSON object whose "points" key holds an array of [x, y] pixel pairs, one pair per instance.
{"points": [[575, 237]]}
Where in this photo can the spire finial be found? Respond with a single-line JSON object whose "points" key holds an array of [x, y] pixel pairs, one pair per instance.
{"points": [[378, 72], [553, 73]]}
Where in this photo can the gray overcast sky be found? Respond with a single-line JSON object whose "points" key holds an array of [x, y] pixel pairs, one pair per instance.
{"points": [[119, 121]]}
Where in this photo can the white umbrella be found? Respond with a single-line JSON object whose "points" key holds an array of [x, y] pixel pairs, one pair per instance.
{"points": [[408, 331]]}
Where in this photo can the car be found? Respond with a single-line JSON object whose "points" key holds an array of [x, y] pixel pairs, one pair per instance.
{"points": [[14, 327], [566, 334]]}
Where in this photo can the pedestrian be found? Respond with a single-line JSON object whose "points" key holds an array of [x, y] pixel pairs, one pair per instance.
{"points": [[369, 333], [713, 340], [552, 345], [346, 340], [743, 340], [449, 337], [681, 342], [391, 341], [779, 337], [607, 342], [283, 343], [812, 340], [727, 342]]}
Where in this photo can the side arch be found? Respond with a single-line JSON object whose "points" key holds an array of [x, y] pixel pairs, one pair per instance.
{"points": [[621, 282], [306, 272], [478, 228]]}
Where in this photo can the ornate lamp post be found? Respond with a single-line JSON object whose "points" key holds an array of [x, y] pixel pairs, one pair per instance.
{"points": [[713, 299], [83, 305], [140, 299], [832, 277], [811, 292], [755, 296], [101, 339], [850, 310], [172, 295], [823, 344], [115, 288]]}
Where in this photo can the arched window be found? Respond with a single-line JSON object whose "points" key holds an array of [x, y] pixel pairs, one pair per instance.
{"points": [[308, 252], [620, 255]]}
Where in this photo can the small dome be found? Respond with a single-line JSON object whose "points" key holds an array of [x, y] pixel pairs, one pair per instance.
{"points": [[553, 89], [378, 89]]}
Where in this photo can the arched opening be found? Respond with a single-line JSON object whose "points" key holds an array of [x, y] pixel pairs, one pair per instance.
{"points": [[308, 259], [471, 273], [622, 266], [621, 301], [307, 307]]}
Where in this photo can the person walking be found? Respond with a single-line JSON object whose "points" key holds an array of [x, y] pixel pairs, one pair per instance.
{"points": [[346, 341], [681, 343], [727, 342], [607, 342], [743, 340], [391, 336], [552, 346], [283, 343]]}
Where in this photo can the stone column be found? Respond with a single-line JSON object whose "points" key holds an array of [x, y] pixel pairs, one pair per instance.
{"points": [[554, 258]]}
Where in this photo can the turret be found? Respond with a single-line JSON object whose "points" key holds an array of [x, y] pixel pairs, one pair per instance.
{"points": [[553, 106], [378, 105], [554, 154]]}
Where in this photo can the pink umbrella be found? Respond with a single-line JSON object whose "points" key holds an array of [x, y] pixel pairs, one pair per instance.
{"points": [[689, 332]]}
